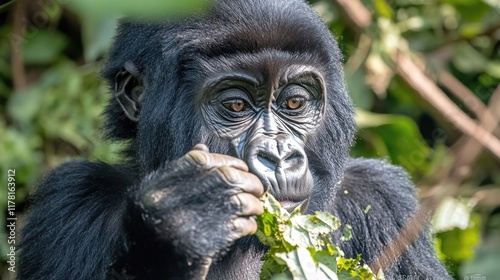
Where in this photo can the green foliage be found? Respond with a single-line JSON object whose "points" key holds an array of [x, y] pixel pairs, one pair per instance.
{"points": [[148, 9], [485, 260], [52, 42], [301, 247], [347, 233], [408, 149], [468, 239], [458, 232], [99, 18], [50, 121], [383, 9]]}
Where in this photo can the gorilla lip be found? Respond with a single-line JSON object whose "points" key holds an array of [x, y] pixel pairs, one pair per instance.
{"points": [[290, 205]]}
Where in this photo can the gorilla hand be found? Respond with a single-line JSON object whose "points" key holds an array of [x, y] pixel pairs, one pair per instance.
{"points": [[200, 203]]}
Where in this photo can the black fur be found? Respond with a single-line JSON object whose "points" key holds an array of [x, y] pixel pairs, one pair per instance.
{"points": [[82, 224]]}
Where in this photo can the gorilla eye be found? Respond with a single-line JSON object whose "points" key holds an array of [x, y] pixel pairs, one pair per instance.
{"points": [[235, 105], [293, 103]]}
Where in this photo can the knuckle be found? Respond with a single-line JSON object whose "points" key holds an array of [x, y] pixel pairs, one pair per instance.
{"points": [[252, 225], [246, 204], [244, 226], [240, 181], [230, 175], [236, 203], [199, 157]]}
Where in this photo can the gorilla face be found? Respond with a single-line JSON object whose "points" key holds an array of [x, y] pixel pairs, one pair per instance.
{"points": [[266, 109], [255, 90]]}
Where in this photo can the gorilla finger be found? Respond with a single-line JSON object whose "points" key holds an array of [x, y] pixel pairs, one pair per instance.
{"points": [[244, 225], [201, 147], [209, 160], [247, 204], [245, 181]]}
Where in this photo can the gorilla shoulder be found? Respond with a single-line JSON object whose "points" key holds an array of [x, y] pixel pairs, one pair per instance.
{"points": [[376, 184], [378, 177]]}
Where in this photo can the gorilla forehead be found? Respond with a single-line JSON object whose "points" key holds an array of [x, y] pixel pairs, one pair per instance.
{"points": [[236, 27], [269, 67]]}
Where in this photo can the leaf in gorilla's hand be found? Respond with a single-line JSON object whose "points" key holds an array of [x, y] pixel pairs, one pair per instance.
{"points": [[301, 248]]}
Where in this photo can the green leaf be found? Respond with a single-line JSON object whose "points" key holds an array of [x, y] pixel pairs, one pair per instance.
{"points": [[383, 8], [326, 221], [346, 233], [468, 60], [467, 238], [324, 272], [300, 264], [97, 32], [399, 136], [493, 3], [485, 260], [44, 47], [301, 247], [272, 267], [327, 258], [360, 93], [493, 68], [23, 107], [147, 9]]}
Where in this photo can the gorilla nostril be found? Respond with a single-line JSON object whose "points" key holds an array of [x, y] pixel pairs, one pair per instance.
{"points": [[272, 162], [293, 156], [293, 160], [267, 160]]}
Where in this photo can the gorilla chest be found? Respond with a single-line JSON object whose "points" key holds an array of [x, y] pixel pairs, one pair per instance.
{"points": [[240, 263]]}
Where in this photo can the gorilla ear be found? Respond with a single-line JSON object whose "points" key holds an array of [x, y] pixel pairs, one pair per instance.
{"points": [[129, 90]]}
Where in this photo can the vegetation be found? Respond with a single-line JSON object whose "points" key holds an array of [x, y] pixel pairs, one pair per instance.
{"points": [[424, 76], [301, 248]]}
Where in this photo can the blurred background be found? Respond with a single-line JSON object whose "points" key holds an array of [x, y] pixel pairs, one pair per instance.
{"points": [[424, 76]]}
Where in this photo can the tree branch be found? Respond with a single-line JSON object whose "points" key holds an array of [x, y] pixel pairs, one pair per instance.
{"points": [[467, 97], [428, 90], [16, 46], [467, 148]]}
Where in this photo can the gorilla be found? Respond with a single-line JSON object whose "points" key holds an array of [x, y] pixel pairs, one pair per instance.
{"points": [[214, 111]]}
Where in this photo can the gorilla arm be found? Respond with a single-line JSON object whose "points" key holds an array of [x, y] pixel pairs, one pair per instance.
{"points": [[198, 204], [69, 234]]}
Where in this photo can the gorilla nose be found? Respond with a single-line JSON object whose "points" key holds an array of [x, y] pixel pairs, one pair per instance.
{"points": [[280, 163], [268, 154], [272, 159]]}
